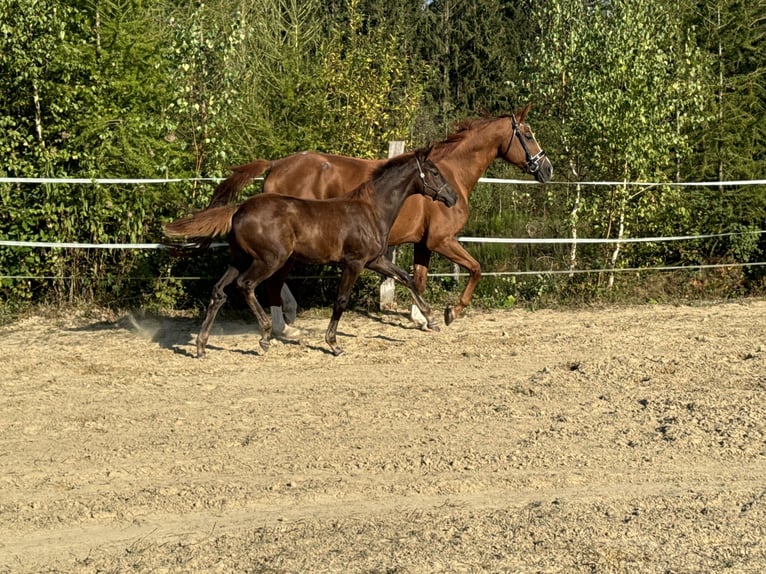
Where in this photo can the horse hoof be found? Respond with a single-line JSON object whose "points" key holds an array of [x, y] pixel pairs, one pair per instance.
{"points": [[449, 315], [265, 345], [337, 351], [432, 327], [288, 334]]}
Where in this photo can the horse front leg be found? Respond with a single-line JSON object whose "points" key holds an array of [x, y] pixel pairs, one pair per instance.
{"points": [[387, 268], [455, 252], [347, 279], [216, 301]]}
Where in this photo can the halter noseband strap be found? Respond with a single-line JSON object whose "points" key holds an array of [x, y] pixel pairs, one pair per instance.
{"points": [[533, 161]]}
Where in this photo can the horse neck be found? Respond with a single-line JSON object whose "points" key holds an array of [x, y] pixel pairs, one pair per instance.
{"points": [[468, 158]]}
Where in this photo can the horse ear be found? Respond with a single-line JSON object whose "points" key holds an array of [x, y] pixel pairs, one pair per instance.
{"points": [[425, 152], [524, 112]]}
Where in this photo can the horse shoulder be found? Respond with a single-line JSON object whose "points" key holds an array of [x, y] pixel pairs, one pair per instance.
{"points": [[412, 221]]}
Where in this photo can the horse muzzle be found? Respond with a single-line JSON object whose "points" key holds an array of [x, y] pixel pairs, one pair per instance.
{"points": [[540, 166]]}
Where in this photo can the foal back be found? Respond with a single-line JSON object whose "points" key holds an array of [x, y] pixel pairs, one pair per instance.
{"points": [[274, 227]]}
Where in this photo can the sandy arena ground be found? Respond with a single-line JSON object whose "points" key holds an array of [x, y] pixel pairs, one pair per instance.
{"points": [[608, 440]]}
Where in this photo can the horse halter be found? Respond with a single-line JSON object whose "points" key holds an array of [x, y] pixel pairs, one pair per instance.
{"points": [[426, 185], [533, 161]]}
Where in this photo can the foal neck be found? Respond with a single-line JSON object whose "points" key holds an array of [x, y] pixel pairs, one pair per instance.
{"points": [[390, 186]]}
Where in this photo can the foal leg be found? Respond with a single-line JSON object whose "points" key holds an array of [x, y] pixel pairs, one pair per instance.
{"points": [[216, 301], [347, 279], [384, 266], [247, 282]]}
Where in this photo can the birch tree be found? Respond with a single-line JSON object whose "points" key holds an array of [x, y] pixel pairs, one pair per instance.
{"points": [[624, 80]]}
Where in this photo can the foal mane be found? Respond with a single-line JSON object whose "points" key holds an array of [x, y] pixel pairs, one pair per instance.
{"points": [[365, 189]]}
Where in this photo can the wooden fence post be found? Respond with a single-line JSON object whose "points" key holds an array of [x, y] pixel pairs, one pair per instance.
{"points": [[387, 287]]}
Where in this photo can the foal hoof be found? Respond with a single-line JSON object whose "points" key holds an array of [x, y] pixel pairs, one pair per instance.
{"points": [[432, 327], [265, 344], [337, 351], [449, 315]]}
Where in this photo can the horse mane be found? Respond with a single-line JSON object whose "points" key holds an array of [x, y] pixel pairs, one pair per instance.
{"points": [[462, 131]]}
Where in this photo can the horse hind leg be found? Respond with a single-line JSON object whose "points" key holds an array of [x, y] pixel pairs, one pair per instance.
{"points": [[289, 305], [216, 301], [387, 268], [283, 306], [421, 260]]}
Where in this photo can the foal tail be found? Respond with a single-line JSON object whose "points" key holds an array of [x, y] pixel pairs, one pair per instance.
{"points": [[229, 189], [203, 225]]}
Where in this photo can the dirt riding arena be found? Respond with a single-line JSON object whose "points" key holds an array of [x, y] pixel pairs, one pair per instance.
{"points": [[608, 440]]}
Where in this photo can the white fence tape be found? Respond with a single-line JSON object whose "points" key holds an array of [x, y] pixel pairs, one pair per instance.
{"points": [[102, 181], [735, 183], [114, 181], [496, 240], [615, 270], [508, 240]]}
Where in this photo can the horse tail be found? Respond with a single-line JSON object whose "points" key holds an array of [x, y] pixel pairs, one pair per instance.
{"points": [[229, 189], [205, 224]]}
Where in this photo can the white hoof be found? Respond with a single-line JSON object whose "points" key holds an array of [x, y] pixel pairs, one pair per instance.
{"points": [[289, 332], [418, 318]]}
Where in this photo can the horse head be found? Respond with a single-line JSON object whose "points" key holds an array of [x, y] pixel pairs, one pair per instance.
{"points": [[527, 155], [435, 185]]}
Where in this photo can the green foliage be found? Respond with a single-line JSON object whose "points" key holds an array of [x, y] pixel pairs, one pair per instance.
{"points": [[205, 42], [621, 91], [627, 83], [373, 89]]}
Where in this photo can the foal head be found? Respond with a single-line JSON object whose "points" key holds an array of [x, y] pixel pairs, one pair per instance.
{"points": [[523, 150], [434, 184]]}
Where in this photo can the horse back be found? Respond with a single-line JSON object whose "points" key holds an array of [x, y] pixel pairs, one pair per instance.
{"points": [[314, 175]]}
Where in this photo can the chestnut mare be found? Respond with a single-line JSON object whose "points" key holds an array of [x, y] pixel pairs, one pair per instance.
{"points": [[462, 158], [268, 232]]}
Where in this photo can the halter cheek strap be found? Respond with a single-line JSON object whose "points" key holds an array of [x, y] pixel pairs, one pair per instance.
{"points": [[533, 161]]}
